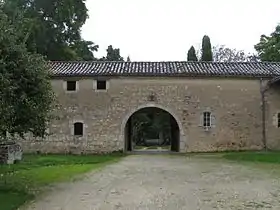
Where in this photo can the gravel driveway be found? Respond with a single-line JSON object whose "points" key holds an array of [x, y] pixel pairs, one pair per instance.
{"points": [[167, 182]]}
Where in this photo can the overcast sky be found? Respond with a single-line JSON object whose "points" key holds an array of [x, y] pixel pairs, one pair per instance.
{"points": [[161, 30]]}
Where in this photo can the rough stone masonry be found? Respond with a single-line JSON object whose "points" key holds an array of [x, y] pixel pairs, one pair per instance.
{"points": [[96, 100]]}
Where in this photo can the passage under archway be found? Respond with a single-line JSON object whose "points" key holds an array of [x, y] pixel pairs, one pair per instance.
{"points": [[152, 129]]}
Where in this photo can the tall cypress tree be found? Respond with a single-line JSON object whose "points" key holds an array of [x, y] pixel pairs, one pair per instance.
{"points": [[192, 55], [206, 49]]}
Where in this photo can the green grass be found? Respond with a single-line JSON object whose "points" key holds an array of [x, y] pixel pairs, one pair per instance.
{"points": [[139, 147], [151, 147], [261, 157], [12, 199], [20, 182], [166, 147]]}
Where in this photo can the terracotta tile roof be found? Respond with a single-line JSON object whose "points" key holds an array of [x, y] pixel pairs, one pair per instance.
{"points": [[253, 69]]}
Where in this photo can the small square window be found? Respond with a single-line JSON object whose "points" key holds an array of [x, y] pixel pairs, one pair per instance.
{"points": [[78, 129], [101, 85], [207, 119], [71, 85]]}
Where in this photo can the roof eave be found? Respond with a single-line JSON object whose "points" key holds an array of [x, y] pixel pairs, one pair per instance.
{"points": [[161, 75]]}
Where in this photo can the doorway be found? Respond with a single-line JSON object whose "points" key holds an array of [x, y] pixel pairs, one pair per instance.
{"points": [[152, 129]]}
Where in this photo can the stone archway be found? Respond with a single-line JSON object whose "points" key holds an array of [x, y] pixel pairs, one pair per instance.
{"points": [[181, 134]]}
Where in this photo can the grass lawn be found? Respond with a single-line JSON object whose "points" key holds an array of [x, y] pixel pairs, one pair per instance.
{"points": [[261, 157], [20, 182]]}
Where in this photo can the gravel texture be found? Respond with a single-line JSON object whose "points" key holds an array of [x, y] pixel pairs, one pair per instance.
{"points": [[167, 182]]}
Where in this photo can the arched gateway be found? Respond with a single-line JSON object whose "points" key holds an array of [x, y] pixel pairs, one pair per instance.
{"points": [[214, 106], [178, 138]]}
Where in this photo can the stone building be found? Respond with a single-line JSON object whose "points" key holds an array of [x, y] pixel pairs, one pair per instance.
{"points": [[216, 106]]}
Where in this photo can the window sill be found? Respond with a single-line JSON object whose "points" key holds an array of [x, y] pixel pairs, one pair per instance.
{"points": [[207, 128], [101, 90], [71, 91]]}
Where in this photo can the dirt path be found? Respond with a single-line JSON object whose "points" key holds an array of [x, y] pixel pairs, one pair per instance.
{"points": [[168, 182]]}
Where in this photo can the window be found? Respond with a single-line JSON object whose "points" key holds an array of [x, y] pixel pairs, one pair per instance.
{"points": [[71, 85], [278, 120], [206, 119], [78, 129], [101, 85]]}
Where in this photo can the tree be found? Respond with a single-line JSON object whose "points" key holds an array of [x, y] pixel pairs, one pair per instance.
{"points": [[224, 54], [26, 97], [206, 49], [192, 54], [128, 59], [151, 123], [52, 27], [84, 50], [269, 46], [140, 123], [112, 54]]}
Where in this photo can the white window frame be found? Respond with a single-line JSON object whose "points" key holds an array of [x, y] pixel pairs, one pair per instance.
{"points": [[275, 119], [207, 120]]}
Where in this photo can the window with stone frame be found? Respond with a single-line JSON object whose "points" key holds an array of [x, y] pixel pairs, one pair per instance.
{"points": [[101, 85], [206, 119], [78, 129], [71, 85]]}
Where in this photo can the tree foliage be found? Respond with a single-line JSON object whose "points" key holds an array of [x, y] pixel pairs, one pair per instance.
{"points": [[84, 50], [206, 49], [53, 27], [151, 124], [25, 91], [192, 54], [113, 54], [225, 54], [269, 46]]}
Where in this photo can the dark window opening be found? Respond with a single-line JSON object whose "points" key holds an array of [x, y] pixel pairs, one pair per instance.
{"points": [[78, 129], [101, 84], [278, 120], [206, 119], [71, 85]]}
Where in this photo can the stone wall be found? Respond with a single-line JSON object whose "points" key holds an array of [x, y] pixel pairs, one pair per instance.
{"points": [[272, 97], [234, 103]]}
